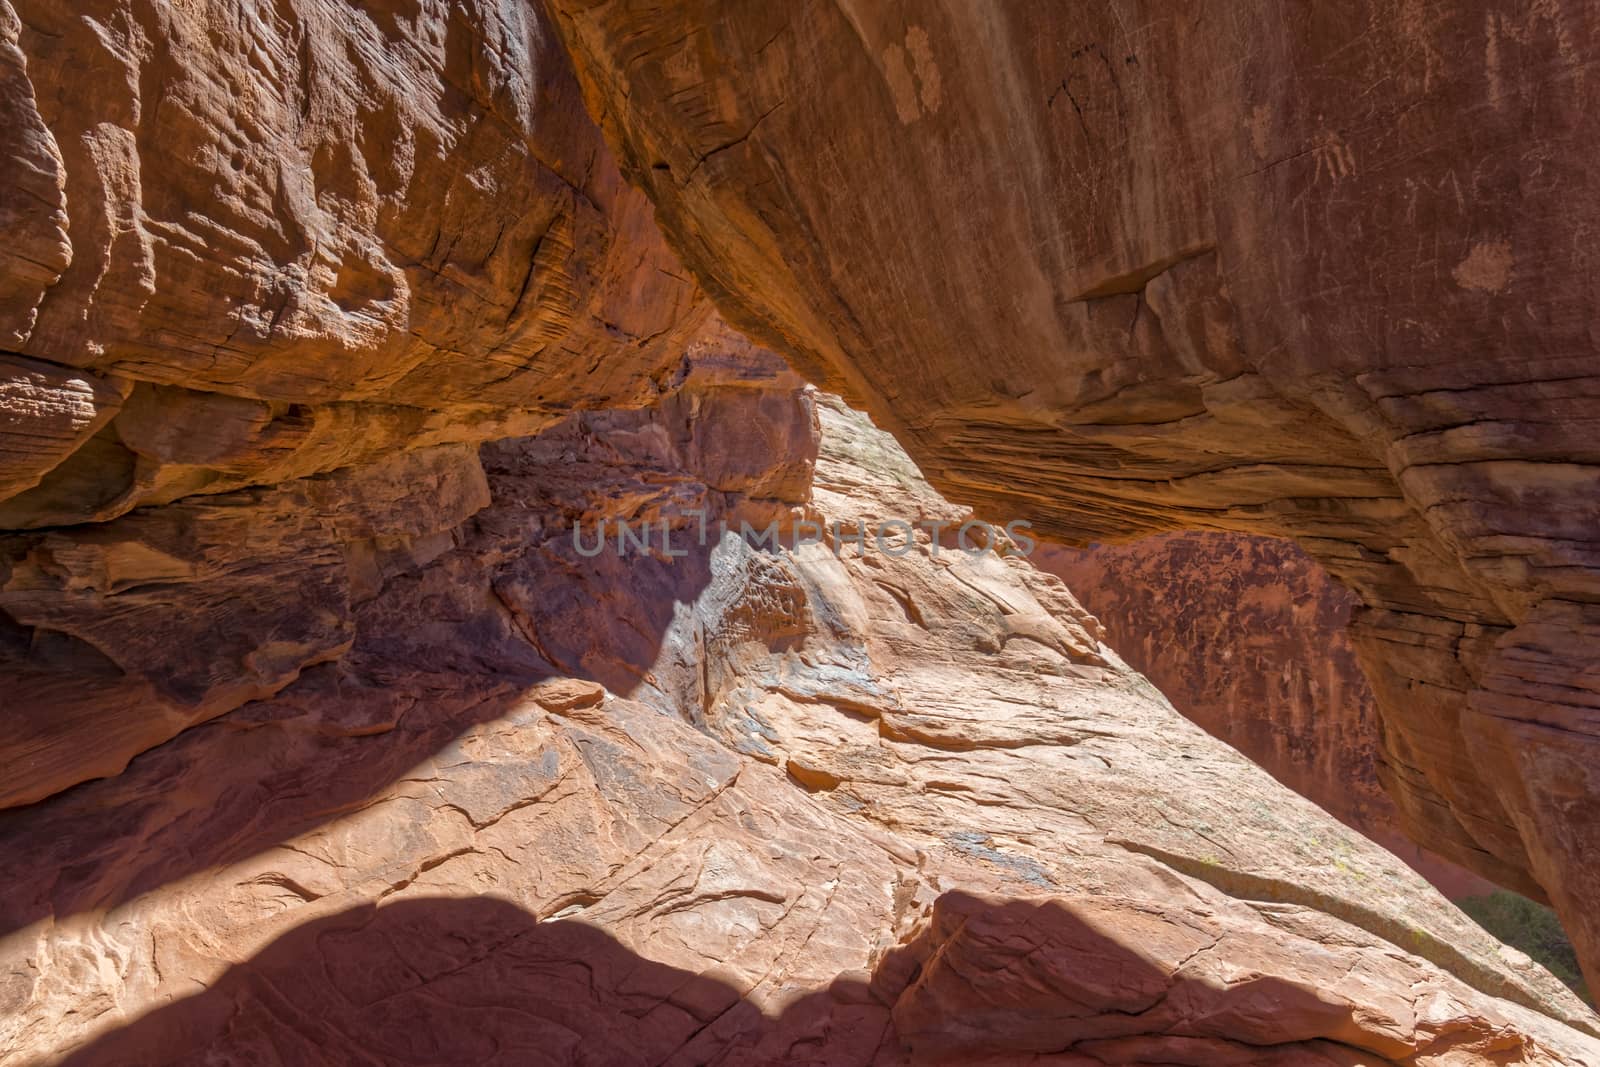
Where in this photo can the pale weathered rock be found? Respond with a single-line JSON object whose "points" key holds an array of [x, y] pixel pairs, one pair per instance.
{"points": [[926, 816], [1323, 276]]}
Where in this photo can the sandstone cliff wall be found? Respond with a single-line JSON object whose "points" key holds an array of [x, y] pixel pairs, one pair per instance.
{"points": [[324, 323], [271, 272]]}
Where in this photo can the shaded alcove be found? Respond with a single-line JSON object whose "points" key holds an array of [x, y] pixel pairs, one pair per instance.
{"points": [[465, 639]]}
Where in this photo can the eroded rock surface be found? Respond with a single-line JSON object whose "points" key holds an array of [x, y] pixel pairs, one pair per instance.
{"points": [[271, 273], [1247, 637], [746, 805], [1322, 275], [407, 776]]}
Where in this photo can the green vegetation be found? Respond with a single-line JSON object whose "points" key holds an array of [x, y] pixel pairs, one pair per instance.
{"points": [[1531, 927]]}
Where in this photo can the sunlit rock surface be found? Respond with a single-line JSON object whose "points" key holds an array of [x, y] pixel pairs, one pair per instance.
{"points": [[324, 326], [745, 805]]}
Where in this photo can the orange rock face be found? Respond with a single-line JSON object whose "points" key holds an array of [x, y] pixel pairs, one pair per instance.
{"points": [[1307, 275], [331, 337], [744, 805], [269, 278], [1246, 636]]}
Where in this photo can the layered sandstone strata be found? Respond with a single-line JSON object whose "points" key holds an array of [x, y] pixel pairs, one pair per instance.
{"points": [[1321, 273], [743, 805]]}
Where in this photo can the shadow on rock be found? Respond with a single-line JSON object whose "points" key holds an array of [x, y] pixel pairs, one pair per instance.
{"points": [[440, 649], [477, 980]]}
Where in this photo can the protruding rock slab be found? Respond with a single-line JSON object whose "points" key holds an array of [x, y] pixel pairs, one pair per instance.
{"points": [[1322, 276]]}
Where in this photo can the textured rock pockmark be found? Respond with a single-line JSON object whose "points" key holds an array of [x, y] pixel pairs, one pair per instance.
{"points": [[1487, 267]]}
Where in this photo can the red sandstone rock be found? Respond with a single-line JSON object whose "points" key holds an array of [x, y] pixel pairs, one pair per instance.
{"points": [[1311, 274], [268, 277], [273, 275], [853, 809], [1246, 636]]}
